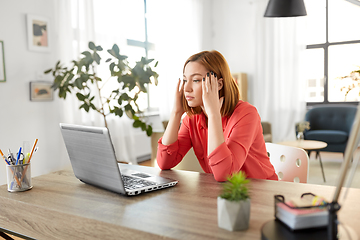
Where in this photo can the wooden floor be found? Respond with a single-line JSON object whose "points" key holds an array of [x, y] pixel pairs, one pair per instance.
{"points": [[332, 164]]}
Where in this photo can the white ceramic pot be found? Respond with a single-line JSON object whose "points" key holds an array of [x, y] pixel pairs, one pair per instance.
{"points": [[232, 215]]}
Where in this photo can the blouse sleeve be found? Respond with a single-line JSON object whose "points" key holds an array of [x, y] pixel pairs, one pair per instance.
{"points": [[240, 134], [168, 156]]}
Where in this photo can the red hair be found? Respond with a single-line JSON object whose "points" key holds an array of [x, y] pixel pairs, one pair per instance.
{"points": [[215, 62]]}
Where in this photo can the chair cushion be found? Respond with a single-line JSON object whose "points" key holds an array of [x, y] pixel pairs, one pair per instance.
{"points": [[328, 136]]}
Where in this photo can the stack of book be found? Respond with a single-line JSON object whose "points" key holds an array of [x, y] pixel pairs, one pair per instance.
{"points": [[301, 217]]}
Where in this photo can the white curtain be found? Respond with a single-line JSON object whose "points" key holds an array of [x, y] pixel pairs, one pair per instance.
{"points": [[279, 86], [76, 27], [178, 36]]}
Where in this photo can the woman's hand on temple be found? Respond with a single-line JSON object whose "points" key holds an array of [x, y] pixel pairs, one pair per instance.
{"points": [[210, 94], [171, 131], [178, 106]]}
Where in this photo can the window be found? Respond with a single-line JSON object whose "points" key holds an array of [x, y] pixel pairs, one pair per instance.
{"points": [[332, 51], [119, 21]]}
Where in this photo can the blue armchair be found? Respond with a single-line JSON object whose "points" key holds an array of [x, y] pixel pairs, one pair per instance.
{"points": [[331, 124]]}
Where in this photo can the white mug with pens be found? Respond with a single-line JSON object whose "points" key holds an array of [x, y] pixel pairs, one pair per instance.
{"points": [[18, 168]]}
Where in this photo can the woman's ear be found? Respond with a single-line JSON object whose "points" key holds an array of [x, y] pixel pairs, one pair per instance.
{"points": [[220, 83]]}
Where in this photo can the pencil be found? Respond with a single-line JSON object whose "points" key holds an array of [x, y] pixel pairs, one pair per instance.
{"points": [[2, 154], [32, 150]]}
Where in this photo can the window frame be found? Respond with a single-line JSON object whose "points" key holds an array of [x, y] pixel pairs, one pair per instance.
{"points": [[146, 45], [325, 46]]}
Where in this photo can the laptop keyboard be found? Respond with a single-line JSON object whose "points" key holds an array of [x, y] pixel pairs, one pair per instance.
{"points": [[134, 183]]}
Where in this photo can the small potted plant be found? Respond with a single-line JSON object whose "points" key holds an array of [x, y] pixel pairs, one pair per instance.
{"points": [[300, 128], [234, 203]]}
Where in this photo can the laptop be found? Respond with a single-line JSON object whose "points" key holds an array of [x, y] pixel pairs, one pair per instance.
{"points": [[94, 162]]}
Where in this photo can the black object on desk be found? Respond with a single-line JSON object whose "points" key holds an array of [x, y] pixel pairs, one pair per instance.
{"points": [[275, 229]]}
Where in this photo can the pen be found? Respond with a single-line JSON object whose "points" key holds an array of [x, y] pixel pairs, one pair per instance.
{"points": [[4, 157], [18, 156], [2, 154], [11, 157]]}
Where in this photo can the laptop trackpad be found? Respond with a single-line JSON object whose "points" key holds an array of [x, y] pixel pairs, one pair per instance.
{"points": [[124, 168], [141, 175]]}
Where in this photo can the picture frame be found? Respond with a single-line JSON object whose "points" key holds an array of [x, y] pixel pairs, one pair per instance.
{"points": [[2, 63], [241, 80], [41, 91], [38, 33]]}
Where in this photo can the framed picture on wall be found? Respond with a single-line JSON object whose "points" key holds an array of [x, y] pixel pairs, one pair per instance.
{"points": [[41, 91], [2, 63], [241, 79], [38, 33]]}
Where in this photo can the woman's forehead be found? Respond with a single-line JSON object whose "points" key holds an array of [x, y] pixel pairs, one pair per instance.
{"points": [[194, 68]]}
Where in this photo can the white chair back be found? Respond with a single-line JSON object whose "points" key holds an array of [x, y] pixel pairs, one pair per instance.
{"points": [[291, 164]]}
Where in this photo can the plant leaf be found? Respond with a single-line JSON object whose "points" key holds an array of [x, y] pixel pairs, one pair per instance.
{"points": [[93, 106], [149, 130], [96, 58], [137, 123], [235, 188], [116, 49], [80, 96], [85, 107], [87, 54], [91, 45], [143, 126], [119, 112]]}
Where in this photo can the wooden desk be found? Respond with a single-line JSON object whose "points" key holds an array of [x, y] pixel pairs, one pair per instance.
{"points": [[61, 207]]}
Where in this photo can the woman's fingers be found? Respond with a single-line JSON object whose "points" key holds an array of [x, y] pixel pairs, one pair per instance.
{"points": [[214, 84], [178, 88], [203, 86], [211, 82]]}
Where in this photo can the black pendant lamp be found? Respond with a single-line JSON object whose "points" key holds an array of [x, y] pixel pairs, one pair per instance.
{"points": [[285, 8]]}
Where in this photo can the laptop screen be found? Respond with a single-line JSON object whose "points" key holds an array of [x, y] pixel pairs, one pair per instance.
{"points": [[92, 156]]}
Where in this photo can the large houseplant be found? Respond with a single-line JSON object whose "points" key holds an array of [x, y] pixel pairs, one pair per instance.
{"points": [[234, 203], [82, 80]]}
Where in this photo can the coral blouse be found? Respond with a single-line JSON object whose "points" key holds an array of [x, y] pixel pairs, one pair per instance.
{"points": [[244, 147]]}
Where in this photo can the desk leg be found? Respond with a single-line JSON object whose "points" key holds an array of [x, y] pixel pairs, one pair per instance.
{"points": [[322, 169]]}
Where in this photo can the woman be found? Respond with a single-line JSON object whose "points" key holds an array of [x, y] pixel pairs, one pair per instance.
{"points": [[225, 132]]}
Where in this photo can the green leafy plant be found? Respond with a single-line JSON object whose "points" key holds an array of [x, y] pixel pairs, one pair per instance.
{"points": [[82, 80], [235, 189], [302, 126]]}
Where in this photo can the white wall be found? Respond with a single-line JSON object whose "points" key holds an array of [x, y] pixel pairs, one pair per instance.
{"points": [[22, 119], [233, 34]]}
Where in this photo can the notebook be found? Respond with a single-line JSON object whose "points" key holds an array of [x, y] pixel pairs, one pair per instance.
{"points": [[94, 162]]}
